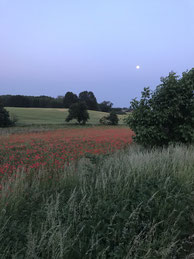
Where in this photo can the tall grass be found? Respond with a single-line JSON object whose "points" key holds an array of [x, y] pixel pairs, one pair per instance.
{"points": [[133, 204]]}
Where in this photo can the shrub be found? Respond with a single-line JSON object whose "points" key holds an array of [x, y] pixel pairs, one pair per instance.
{"points": [[112, 119], [104, 120], [5, 120], [167, 114]]}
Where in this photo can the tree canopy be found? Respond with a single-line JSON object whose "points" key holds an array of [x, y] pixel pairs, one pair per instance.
{"points": [[167, 114], [79, 112], [90, 100], [59, 102], [69, 99]]}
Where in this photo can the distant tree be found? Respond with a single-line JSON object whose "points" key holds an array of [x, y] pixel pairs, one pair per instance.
{"points": [[111, 119], [105, 106], [167, 114], [69, 99], [79, 112], [90, 100], [5, 120]]}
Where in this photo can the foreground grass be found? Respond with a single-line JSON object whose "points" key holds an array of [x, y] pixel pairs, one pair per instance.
{"points": [[52, 116], [133, 204]]}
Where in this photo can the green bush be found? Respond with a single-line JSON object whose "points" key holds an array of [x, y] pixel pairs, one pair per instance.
{"points": [[5, 120], [104, 121], [167, 114], [111, 119]]}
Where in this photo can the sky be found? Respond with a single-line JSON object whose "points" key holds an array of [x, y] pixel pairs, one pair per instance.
{"points": [[49, 47]]}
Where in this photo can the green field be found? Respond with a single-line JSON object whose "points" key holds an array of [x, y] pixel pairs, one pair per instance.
{"points": [[43, 116]]}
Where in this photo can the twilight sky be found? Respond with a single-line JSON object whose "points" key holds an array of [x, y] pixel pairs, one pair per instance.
{"points": [[49, 47]]}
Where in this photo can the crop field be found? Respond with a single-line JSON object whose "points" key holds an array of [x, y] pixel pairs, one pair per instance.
{"points": [[52, 116], [54, 149]]}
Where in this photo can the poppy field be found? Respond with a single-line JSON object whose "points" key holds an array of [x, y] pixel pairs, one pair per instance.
{"points": [[54, 149], [133, 203]]}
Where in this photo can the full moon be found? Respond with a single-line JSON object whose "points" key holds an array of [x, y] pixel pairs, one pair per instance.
{"points": [[137, 67]]}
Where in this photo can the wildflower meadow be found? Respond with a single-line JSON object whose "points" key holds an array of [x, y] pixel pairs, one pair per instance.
{"points": [[54, 149]]}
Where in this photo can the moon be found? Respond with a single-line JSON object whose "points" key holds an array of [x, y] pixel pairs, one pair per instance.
{"points": [[137, 67]]}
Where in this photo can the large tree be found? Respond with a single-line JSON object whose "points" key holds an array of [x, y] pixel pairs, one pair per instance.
{"points": [[69, 99], [90, 100], [79, 112], [167, 114], [4, 117]]}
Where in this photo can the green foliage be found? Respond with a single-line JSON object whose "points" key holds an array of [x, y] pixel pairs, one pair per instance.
{"points": [[31, 101], [167, 114], [104, 120], [5, 120], [89, 99], [79, 112], [133, 204], [69, 99], [105, 106], [111, 119]]}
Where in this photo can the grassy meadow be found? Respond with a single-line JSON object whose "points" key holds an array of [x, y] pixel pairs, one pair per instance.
{"points": [[134, 203], [52, 116], [73, 192]]}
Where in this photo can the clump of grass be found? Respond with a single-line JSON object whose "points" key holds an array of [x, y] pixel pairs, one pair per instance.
{"points": [[133, 204]]}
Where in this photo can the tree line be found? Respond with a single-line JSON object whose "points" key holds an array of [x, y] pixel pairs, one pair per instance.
{"points": [[31, 101], [59, 102], [161, 117]]}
